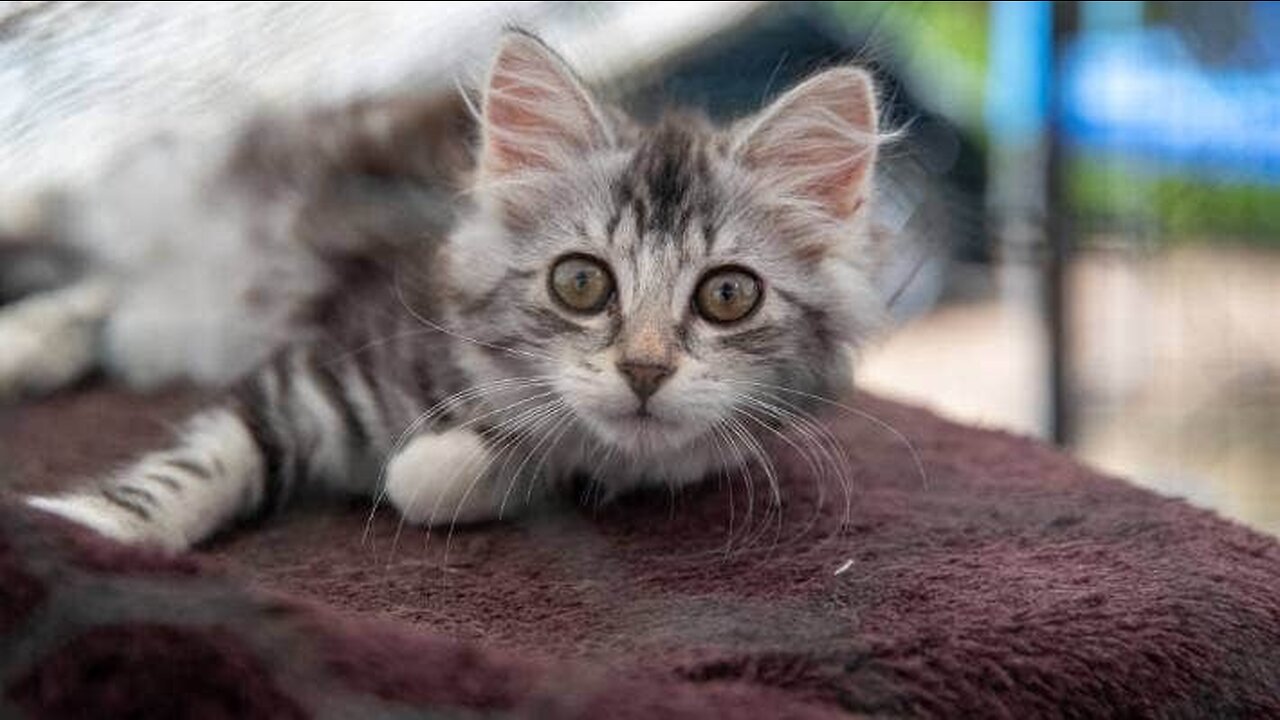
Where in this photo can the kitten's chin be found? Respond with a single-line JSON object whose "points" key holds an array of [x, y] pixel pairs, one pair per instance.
{"points": [[644, 436]]}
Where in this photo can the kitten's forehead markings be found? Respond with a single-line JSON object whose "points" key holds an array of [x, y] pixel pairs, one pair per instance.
{"points": [[611, 225], [666, 185], [710, 232]]}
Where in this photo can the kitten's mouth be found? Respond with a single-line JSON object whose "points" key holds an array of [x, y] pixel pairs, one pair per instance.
{"points": [[643, 430], [643, 425], [643, 418]]}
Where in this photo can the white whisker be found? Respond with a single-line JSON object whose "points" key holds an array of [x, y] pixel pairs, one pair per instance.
{"points": [[898, 434], [454, 334], [434, 412], [525, 416]]}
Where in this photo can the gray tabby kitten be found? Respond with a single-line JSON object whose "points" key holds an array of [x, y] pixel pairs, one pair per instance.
{"points": [[608, 300]]}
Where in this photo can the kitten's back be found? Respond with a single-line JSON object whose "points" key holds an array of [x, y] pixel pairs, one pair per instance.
{"points": [[231, 245]]}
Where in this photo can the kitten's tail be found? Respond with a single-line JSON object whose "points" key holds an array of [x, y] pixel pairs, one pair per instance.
{"points": [[298, 424]]}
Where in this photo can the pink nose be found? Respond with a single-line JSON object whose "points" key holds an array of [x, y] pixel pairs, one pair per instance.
{"points": [[644, 378]]}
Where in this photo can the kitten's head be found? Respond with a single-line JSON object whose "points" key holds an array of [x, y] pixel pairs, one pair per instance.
{"points": [[658, 277]]}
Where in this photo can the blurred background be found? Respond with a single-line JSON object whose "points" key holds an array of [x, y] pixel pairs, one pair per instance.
{"points": [[1088, 193]]}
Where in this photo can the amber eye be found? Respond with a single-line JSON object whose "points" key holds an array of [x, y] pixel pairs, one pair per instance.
{"points": [[583, 284], [727, 295]]}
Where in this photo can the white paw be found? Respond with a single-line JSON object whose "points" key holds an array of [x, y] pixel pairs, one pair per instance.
{"points": [[105, 519], [445, 479], [48, 340]]}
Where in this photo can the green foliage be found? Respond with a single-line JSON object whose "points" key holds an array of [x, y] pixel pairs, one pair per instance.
{"points": [[1176, 207], [940, 46], [941, 50]]}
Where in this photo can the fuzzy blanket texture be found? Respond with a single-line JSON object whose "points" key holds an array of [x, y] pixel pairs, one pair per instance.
{"points": [[1006, 581]]}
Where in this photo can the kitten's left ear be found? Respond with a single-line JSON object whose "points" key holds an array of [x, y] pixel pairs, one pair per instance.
{"points": [[537, 114], [818, 142]]}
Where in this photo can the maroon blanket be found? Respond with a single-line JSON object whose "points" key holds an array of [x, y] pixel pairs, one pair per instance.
{"points": [[1005, 580]]}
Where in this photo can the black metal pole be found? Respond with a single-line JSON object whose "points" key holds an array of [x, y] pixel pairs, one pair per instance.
{"points": [[1058, 231]]}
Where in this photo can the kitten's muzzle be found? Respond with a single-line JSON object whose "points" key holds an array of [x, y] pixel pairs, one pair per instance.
{"points": [[645, 378]]}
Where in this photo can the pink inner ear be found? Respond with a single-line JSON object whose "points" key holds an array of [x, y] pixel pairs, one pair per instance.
{"points": [[828, 170], [535, 112], [513, 119], [819, 141]]}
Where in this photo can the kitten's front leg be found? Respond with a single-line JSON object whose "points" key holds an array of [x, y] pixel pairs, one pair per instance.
{"points": [[453, 477]]}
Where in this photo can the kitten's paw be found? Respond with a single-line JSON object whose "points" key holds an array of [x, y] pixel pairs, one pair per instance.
{"points": [[444, 479], [49, 340], [104, 518]]}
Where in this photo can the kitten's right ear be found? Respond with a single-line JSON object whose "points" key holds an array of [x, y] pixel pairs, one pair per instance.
{"points": [[537, 114]]}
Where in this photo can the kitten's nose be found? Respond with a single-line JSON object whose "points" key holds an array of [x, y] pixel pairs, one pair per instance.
{"points": [[644, 378]]}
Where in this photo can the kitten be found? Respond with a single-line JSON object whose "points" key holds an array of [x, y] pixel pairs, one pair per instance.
{"points": [[607, 299]]}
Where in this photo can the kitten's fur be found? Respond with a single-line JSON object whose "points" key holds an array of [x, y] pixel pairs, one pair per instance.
{"points": [[434, 341]]}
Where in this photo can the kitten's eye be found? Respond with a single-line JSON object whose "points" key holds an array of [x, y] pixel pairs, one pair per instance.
{"points": [[727, 295], [583, 284]]}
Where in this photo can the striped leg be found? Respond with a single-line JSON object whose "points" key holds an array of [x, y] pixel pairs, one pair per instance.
{"points": [[295, 423], [174, 498]]}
